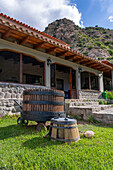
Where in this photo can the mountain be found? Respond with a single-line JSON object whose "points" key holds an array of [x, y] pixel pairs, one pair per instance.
{"points": [[95, 42]]}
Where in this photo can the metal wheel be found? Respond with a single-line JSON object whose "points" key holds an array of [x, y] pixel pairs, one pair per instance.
{"points": [[21, 121]]}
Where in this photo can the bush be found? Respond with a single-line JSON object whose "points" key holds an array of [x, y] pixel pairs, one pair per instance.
{"points": [[109, 95], [90, 47], [91, 119], [101, 102]]}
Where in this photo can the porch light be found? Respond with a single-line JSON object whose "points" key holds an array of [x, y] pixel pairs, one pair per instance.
{"points": [[79, 69], [49, 61]]}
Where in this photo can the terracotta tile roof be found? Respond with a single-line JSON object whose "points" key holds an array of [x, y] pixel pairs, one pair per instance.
{"points": [[19, 26], [33, 29]]}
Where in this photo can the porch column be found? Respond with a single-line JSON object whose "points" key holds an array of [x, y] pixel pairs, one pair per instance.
{"points": [[101, 83], [20, 68], [112, 78], [70, 80], [47, 75], [78, 83]]}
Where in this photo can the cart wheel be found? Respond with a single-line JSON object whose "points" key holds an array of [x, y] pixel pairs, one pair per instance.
{"points": [[19, 120], [22, 121], [25, 122]]}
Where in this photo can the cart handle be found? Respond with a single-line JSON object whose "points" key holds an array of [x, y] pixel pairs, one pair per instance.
{"points": [[18, 104]]}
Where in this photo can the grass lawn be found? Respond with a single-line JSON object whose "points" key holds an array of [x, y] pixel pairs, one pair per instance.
{"points": [[23, 147]]}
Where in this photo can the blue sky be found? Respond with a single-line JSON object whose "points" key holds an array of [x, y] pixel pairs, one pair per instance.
{"points": [[95, 12], [39, 13]]}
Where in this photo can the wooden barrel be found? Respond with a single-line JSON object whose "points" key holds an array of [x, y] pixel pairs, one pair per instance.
{"points": [[41, 105], [64, 129]]}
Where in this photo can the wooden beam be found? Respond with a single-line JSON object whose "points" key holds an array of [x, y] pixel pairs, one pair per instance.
{"points": [[6, 34], [39, 45], [20, 68], [61, 54], [89, 62], [92, 64], [104, 69], [77, 60], [85, 61], [24, 40], [69, 57], [70, 80], [89, 82], [55, 77], [51, 50]]}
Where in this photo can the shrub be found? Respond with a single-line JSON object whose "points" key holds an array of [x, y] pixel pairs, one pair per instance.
{"points": [[85, 53], [91, 119], [90, 47], [110, 51], [101, 102], [109, 95]]}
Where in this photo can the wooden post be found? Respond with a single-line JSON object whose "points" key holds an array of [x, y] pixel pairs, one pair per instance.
{"points": [[55, 77], [20, 68], [44, 73], [89, 82], [70, 80]]}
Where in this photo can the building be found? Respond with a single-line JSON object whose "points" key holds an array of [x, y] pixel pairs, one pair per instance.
{"points": [[32, 59]]}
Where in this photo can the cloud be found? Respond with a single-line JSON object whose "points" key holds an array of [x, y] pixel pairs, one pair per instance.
{"points": [[111, 18], [39, 13]]}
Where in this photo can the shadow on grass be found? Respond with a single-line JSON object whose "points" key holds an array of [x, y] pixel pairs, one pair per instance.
{"points": [[40, 142], [16, 130]]}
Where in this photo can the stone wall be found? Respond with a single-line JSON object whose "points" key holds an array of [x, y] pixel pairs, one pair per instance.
{"points": [[90, 95], [9, 92]]}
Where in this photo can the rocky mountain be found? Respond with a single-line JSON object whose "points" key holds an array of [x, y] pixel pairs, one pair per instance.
{"points": [[95, 42]]}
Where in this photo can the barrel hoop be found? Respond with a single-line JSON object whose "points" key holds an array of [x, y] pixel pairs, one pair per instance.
{"points": [[41, 113], [64, 123], [58, 127], [43, 102], [51, 93], [65, 140]]}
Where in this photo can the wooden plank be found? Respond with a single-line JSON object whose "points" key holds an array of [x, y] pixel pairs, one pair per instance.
{"points": [[54, 132], [21, 68]]}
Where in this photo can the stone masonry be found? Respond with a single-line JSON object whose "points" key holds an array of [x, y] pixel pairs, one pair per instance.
{"points": [[90, 95], [9, 92]]}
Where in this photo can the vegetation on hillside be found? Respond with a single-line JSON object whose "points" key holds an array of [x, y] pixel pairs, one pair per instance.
{"points": [[95, 42]]}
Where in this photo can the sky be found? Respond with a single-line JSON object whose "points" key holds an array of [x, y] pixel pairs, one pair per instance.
{"points": [[39, 13]]}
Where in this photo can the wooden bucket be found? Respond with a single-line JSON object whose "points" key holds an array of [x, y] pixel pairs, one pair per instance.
{"points": [[64, 129], [41, 105]]}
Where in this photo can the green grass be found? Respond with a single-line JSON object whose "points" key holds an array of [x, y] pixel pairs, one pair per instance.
{"points": [[23, 147]]}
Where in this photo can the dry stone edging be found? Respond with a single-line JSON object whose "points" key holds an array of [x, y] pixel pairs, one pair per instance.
{"points": [[101, 113]]}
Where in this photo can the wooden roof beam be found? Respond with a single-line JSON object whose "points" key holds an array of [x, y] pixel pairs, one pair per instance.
{"points": [[77, 60], [70, 57], [84, 61], [6, 34], [61, 54], [51, 50], [24, 40], [39, 45], [104, 69], [91, 65]]}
